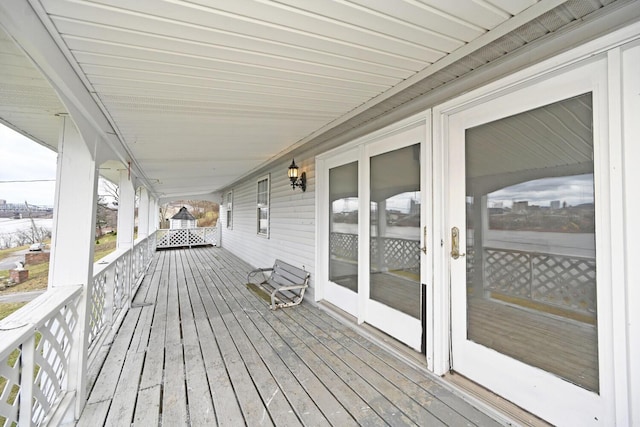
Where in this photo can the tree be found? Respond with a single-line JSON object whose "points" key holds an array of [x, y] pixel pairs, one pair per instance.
{"points": [[164, 209], [108, 192]]}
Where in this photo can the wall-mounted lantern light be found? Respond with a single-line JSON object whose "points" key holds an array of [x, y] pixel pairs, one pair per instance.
{"points": [[297, 181]]}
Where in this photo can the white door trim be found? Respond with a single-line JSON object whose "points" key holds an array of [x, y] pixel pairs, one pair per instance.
{"points": [[418, 126], [615, 381]]}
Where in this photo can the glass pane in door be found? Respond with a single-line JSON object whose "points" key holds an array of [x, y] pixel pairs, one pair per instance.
{"points": [[531, 264], [343, 225], [395, 229]]}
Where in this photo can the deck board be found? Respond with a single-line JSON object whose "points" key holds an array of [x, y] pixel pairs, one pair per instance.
{"points": [[201, 409], [301, 402], [208, 351], [174, 408]]}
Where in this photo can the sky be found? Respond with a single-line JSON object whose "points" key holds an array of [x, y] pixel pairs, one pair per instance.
{"points": [[22, 159], [575, 190]]}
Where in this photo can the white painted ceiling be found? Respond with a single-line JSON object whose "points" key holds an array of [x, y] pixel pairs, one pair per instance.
{"points": [[201, 92]]}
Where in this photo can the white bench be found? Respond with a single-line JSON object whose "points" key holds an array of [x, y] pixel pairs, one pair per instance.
{"points": [[286, 284]]}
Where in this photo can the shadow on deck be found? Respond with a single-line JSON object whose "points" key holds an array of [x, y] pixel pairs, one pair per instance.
{"points": [[198, 348]]}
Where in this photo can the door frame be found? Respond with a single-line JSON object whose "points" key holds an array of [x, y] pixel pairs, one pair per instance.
{"points": [[361, 146], [614, 380], [376, 313], [536, 388], [350, 301]]}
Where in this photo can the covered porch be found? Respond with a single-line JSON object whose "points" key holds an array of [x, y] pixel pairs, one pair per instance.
{"points": [[211, 101], [198, 348]]}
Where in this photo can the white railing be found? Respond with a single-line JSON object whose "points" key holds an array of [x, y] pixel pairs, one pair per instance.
{"points": [[35, 349], [186, 237], [36, 342], [115, 279], [568, 282]]}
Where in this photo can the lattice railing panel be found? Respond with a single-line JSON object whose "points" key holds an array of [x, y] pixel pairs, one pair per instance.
{"points": [[162, 238], [98, 305], [182, 237], [507, 272], [210, 236], [197, 234], [110, 288], [36, 346], [401, 253], [52, 360], [344, 246], [570, 282], [564, 281], [10, 388], [153, 242], [120, 283], [139, 259]]}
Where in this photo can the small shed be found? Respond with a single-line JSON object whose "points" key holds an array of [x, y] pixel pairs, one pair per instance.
{"points": [[183, 219]]}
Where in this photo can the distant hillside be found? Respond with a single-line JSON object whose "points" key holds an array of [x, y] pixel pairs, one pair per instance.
{"points": [[205, 212]]}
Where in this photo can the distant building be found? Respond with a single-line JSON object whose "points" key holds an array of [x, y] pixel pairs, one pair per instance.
{"points": [[183, 219], [520, 207], [555, 204], [414, 208]]}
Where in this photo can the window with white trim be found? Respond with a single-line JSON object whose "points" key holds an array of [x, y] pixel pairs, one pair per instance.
{"points": [[262, 202], [230, 209]]}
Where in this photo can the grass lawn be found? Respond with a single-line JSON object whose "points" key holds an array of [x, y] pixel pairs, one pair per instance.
{"points": [[38, 274], [6, 308], [6, 252]]}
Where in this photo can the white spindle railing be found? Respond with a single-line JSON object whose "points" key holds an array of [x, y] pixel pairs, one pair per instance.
{"points": [[36, 342], [35, 347]]}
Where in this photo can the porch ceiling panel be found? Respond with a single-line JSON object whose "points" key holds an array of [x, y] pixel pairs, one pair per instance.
{"points": [[27, 103], [224, 81], [216, 80]]}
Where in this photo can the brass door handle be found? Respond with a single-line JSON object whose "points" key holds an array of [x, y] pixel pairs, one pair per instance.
{"points": [[455, 243]]}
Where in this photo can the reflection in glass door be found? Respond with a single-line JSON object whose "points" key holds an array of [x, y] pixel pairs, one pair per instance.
{"points": [[531, 240], [342, 233], [394, 300], [524, 288], [373, 237], [395, 230], [343, 226]]}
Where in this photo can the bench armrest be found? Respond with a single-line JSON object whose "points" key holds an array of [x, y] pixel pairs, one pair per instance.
{"points": [[252, 273]]}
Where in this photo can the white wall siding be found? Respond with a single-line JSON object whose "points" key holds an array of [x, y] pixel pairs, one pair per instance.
{"points": [[291, 220]]}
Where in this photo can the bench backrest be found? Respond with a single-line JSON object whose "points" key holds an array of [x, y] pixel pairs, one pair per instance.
{"points": [[285, 274]]}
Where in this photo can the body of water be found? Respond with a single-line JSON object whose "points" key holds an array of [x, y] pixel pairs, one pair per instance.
{"points": [[409, 233], [10, 226]]}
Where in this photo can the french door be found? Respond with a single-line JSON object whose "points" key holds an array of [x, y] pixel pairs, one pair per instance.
{"points": [[528, 299], [377, 232], [396, 236]]}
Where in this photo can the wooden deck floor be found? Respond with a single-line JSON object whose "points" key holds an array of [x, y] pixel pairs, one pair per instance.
{"points": [[198, 348]]}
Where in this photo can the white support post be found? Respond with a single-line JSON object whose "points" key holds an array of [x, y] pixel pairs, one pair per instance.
{"points": [[72, 241], [126, 211], [126, 224], [153, 215], [143, 214]]}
